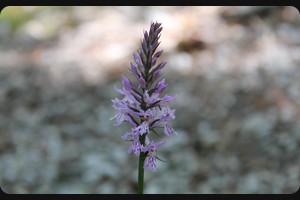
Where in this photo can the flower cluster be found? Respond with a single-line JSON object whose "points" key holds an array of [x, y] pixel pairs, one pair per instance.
{"points": [[143, 106]]}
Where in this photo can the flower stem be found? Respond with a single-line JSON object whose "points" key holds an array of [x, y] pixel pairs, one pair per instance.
{"points": [[141, 174], [141, 168]]}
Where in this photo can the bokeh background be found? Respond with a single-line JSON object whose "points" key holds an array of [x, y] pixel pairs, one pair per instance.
{"points": [[235, 71]]}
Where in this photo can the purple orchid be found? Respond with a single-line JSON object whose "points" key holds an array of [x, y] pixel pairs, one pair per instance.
{"points": [[142, 105]]}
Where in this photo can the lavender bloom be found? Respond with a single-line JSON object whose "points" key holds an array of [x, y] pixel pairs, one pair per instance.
{"points": [[142, 105], [151, 158]]}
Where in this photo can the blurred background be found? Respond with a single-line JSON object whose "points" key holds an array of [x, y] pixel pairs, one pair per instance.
{"points": [[235, 71]]}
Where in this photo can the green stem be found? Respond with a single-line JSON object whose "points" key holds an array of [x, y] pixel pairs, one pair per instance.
{"points": [[141, 174], [141, 168]]}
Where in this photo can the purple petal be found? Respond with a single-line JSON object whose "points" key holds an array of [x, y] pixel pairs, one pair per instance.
{"points": [[135, 71], [126, 135], [143, 128], [120, 91], [168, 130], [146, 36], [160, 86], [120, 119], [156, 75], [153, 146], [135, 147], [126, 83], [154, 46], [158, 54], [130, 121], [167, 98], [168, 113], [137, 59], [152, 27], [153, 98], [144, 47], [153, 61], [142, 82], [161, 65], [146, 96], [143, 56], [159, 30], [150, 160]]}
